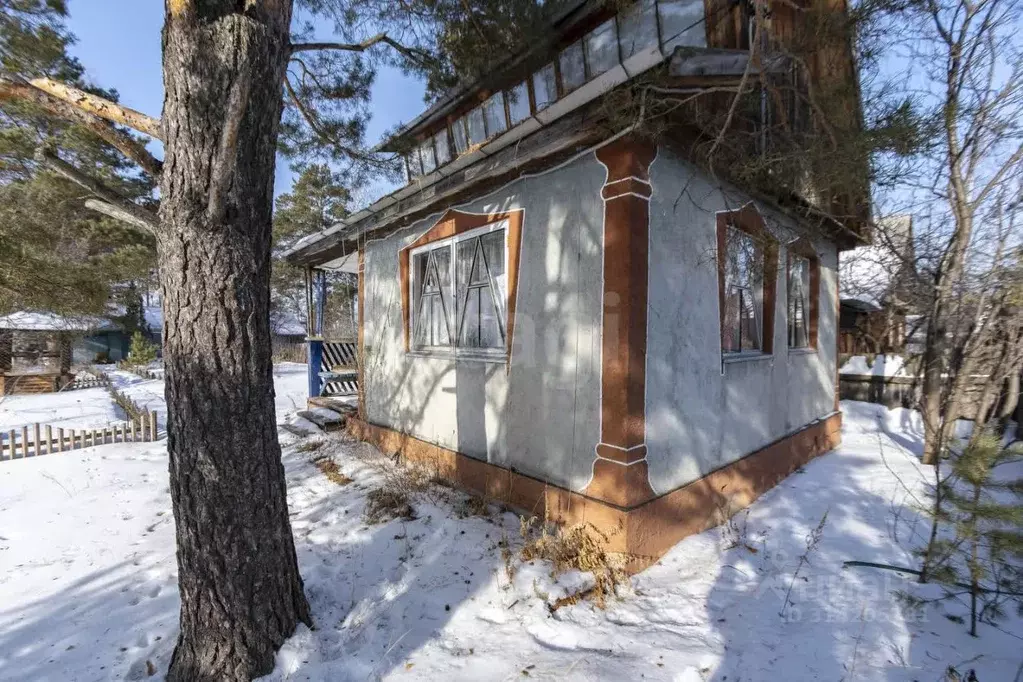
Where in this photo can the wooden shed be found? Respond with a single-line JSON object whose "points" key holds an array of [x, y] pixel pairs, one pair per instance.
{"points": [[35, 350]]}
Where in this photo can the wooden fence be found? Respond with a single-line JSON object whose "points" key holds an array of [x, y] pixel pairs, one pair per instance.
{"points": [[44, 439]]}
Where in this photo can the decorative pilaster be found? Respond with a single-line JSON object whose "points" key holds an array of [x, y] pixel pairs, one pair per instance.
{"points": [[620, 467]]}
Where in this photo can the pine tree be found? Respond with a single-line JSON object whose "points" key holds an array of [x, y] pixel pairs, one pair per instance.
{"points": [[984, 512], [55, 253], [141, 352]]}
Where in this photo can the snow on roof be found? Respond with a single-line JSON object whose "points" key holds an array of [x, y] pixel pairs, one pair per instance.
{"points": [[27, 320], [867, 273]]}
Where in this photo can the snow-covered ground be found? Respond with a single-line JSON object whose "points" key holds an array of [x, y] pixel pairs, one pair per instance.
{"points": [[87, 579]]}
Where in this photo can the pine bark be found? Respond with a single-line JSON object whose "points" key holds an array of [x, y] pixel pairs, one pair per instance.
{"points": [[241, 593]]}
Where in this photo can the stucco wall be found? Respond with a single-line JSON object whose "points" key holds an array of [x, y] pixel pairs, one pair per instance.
{"points": [[702, 415], [541, 418]]}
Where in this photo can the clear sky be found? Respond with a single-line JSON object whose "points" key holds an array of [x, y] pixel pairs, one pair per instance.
{"points": [[119, 44]]}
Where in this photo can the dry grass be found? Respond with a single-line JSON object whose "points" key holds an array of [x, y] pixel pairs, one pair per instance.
{"points": [[474, 505], [384, 504], [581, 547], [330, 469], [310, 446]]}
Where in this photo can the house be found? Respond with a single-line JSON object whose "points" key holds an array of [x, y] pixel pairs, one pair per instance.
{"points": [[877, 293], [36, 349], [579, 320]]}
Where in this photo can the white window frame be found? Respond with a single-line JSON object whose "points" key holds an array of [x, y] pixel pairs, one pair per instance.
{"points": [[454, 332]]}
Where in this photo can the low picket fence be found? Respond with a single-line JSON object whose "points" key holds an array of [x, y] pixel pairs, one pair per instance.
{"points": [[45, 439]]}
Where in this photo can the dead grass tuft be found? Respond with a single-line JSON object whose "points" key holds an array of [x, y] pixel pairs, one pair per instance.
{"points": [[384, 504], [330, 469], [474, 505], [309, 446], [581, 547]]}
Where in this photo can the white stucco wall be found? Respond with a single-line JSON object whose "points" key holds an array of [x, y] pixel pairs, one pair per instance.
{"points": [[700, 418], [541, 417]]}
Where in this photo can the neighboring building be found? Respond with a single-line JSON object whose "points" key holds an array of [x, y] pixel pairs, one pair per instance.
{"points": [[545, 322], [877, 293], [36, 349]]}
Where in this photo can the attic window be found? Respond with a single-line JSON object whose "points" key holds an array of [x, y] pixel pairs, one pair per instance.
{"points": [[427, 154], [601, 49], [443, 149], [458, 133], [493, 111], [477, 128], [573, 67], [678, 19], [638, 28], [545, 87], [518, 103]]}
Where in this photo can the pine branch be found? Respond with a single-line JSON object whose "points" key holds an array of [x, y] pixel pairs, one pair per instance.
{"points": [[115, 113], [18, 89], [139, 217]]}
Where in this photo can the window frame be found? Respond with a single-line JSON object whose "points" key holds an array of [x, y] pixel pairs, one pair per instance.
{"points": [[749, 221], [803, 249], [502, 306]]}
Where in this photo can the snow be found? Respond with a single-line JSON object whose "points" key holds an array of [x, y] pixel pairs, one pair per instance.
{"points": [[88, 591], [27, 320], [85, 408], [884, 366]]}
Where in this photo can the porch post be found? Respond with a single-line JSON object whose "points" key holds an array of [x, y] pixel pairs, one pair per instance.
{"points": [[316, 292]]}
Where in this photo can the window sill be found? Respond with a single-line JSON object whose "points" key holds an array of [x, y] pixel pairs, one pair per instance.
{"points": [[731, 358], [802, 351], [500, 357]]}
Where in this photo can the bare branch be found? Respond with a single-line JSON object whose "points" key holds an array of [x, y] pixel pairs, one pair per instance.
{"points": [[118, 213], [105, 109], [140, 216], [418, 56], [126, 144]]}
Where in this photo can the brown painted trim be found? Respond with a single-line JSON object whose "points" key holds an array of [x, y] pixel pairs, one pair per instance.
{"points": [[647, 530], [619, 467], [802, 247], [749, 220], [362, 332], [455, 222]]}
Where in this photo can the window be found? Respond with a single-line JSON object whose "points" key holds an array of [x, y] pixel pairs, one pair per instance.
{"points": [[415, 169], [573, 67], [799, 302], [458, 133], [518, 103], [744, 293], [747, 282], [426, 152], [601, 49], [477, 130], [681, 23], [440, 143], [493, 112], [638, 27], [545, 87], [459, 292], [432, 278], [803, 289]]}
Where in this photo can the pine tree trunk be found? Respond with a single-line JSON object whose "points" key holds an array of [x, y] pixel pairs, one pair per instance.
{"points": [[241, 593]]}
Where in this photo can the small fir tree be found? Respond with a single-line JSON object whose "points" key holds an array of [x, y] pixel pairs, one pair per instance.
{"points": [[142, 352]]}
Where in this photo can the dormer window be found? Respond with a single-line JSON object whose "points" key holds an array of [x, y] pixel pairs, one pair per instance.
{"points": [[573, 68], [443, 149], [459, 135], [429, 158]]}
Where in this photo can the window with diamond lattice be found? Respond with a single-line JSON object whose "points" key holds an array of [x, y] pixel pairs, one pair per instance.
{"points": [[460, 292]]}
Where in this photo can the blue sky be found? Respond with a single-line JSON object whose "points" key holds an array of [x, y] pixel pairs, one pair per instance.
{"points": [[119, 44]]}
